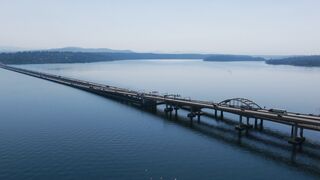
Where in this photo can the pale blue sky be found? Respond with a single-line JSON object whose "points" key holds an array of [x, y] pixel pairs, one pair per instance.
{"points": [[212, 26]]}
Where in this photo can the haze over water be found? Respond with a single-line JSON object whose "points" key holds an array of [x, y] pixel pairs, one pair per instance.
{"points": [[51, 131]]}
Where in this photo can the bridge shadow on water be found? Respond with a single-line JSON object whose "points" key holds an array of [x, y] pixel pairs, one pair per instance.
{"points": [[267, 143]]}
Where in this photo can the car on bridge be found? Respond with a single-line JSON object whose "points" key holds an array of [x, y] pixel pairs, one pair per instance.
{"points": [[279, 112]]}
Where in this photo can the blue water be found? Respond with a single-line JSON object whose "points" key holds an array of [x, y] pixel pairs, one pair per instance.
{"points": [[51, 131]]}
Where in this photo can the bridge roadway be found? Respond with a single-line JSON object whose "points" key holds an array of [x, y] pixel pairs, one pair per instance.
{"points": [[297, 121]]}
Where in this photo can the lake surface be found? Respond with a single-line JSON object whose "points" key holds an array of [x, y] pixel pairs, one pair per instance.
{"points": [[51, 131]]}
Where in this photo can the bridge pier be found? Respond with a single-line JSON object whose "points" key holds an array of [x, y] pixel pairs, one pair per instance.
{"points": [[191, 115], [240, 126], [198, 114], [243, 126], [295, 139], [168, 109], [221, 114], [301, 132], [176, 108], [261, 124]]}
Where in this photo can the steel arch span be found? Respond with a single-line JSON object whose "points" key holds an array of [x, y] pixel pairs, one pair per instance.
{"points": [[240, 103]]}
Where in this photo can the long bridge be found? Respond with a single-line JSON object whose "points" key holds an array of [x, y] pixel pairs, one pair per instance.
{"points": [[246, 109]]}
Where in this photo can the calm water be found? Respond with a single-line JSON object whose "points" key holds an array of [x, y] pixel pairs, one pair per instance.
{"points": [[50, 131]]}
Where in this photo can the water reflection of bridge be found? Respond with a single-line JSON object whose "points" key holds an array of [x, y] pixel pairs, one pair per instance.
{"points": [[252, 112], [267, 143]]}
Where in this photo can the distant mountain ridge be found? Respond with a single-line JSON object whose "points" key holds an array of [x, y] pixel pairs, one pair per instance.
{"points": [[8, 49], [89, 50]]}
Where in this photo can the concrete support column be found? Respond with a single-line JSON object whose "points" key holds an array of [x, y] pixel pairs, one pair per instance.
{"points": [[191, 115], [176, 111], [261, 124], [295, 140], [240, 126], [295, 131], [301, 132], [168, 109]]}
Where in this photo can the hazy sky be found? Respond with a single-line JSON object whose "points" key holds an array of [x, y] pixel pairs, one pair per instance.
{"points": [[214, 26]]}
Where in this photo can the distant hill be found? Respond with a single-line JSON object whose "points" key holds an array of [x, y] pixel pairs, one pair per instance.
{"points": [[71, 55], [89, 50], [233, 58], [308, 61], [47, 57]]}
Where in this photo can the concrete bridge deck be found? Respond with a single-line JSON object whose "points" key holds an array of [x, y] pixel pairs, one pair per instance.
{"points": [[242, 107]]}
